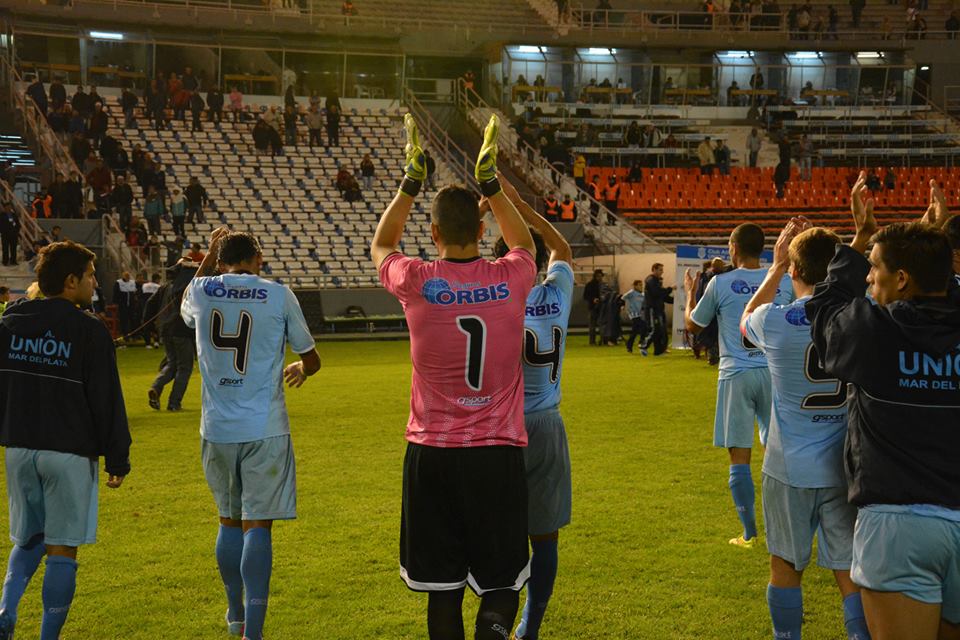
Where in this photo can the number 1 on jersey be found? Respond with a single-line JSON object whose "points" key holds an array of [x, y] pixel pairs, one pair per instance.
{"points": [[476, 332]]}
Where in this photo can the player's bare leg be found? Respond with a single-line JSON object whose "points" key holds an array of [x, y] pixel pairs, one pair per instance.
{"points": [[894, 616], [229, 554], [744, 497]]}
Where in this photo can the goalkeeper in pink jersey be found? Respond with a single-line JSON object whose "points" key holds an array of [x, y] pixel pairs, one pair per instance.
{"points": [[464, 513]]}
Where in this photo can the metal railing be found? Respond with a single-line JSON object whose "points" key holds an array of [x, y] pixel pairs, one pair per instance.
{"points": [[438, 141], [30, 231], [607, 228], [115, 246]]}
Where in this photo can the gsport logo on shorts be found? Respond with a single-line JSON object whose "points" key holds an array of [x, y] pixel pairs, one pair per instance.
{"points": [[440, 291]]}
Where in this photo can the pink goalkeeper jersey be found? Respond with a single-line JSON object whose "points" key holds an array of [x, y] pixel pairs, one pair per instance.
{"points": [[466, 340]]}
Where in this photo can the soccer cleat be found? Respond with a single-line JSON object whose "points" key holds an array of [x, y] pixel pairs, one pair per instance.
{"points": [[643, 351], [234, 628], [415, 164], [486, 169], [6, 626], [742, 542], [153, 399]]}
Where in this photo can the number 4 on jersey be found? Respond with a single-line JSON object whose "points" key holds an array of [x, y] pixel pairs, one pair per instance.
{"points": [[239, 342], [536, 358]]}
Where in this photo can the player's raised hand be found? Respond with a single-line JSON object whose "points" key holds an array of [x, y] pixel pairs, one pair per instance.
{"points": [[862, 210], [690, 281], [294, 375], [217, 235], [781, 250], [937, 213], [114, 482], [415, 162], [486, 169]]}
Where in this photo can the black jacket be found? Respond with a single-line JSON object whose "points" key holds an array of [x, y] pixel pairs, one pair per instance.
{"points": [[902, 367], [195, 194], [9, 223], [655, 295], [591, 292], [59, 386]]}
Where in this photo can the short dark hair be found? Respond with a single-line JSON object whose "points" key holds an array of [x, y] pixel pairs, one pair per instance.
{"points": [[919, 249], [952, 229], [456, 213], [656, 265], [237, 247], [4, 290], [810, 253], [500, 249], [58, 261], [748, 237]]}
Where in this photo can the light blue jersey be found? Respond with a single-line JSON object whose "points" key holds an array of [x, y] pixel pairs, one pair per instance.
{"points": [[725, 298], [809, 419], [634, 301], [545, 338], [242, 324]]}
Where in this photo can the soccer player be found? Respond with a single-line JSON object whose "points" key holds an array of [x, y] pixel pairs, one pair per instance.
{"points": [[804, 491], [547, 457], [464, 516], [900, 361], [52, 349], [743, 388], [243, 324]]}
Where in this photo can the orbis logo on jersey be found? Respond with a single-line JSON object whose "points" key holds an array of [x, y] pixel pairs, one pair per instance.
{"points": [[743, 287], [798, 317], [216, 289], [440, 291]]}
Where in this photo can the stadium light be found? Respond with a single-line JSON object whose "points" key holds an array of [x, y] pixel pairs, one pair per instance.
{"points": [[869, 54], [925, 68], [526, 48], [736, 54], [600, 51], [106, 35], [805, 55]]}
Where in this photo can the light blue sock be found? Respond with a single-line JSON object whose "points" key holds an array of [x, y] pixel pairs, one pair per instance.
{"points": [[853, 618], [23, 563], [59, 585], [741, 486], [229, 554], [786, 611], [255, 567], [543, 571]]}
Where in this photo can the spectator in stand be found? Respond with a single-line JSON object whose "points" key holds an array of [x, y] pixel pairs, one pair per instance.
{"points": [[236, 104], [781, 175], [152, 249], [290, 119], [856, 10], [178, 212], [98, 125], [123, 202], [632, 136], [41, 205], [95, 98], [756, 80], [55, 234], [722, 155], [951, 26], [196, 111], [276, 142], [556, 154], [551, 207], [55, 189], [651, 137], [125, 297], [59, 121], [315, 123], [754, 144], [72, 197], [289, 98], [315, 99], [611, 195], [431, 169], [117, 159], [128, 102], [179, 98], [189, 81], [890, 179], [636, 172], [580, 171], [153, 210], [196, 252], [261, 136], [77, 124], [58, 94], [348, 9], [38, 94], [136, 235], [333, 124], [469, 80], [197, 199], [368, 171], [160, 179], [352, 193], [805, 153], [873, 181], [9, 233], [597, 193], [157, 104], [174, 250], [100, 180], [568, 209], [81, 102], [705, 156], [733, 100], [274, 118], [215, 105]]}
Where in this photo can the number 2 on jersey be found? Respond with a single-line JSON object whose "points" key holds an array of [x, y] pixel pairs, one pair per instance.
{"points": [[815, 373], [239, 342], [476, 332]]}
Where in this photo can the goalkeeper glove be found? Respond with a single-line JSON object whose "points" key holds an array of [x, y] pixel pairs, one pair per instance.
{"points": [[415, 165], [486, 169]]}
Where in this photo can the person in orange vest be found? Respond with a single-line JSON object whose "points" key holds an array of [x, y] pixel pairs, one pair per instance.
{"points": [[611, 194], [551, 211], [597, 191], [568, 209], [468, 80], [41, 205]]}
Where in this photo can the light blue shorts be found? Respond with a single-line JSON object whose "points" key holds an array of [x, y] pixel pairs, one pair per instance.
{"points": [[52, 493], [918, 556], [742, 401], [792, 515], [547, 460], [252, 480]]}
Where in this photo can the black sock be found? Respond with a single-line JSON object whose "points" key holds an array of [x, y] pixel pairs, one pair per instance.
{"points": [[445, 615], [498, 610]]}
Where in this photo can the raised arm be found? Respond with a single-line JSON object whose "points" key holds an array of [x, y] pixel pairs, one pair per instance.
{"points": [[863, 219], [512, 226], [209, 265], [556, 243], [386, 240], [781, 262]]}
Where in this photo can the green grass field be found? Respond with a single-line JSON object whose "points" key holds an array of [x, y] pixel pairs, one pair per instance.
{"points": [[645, 557]]}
